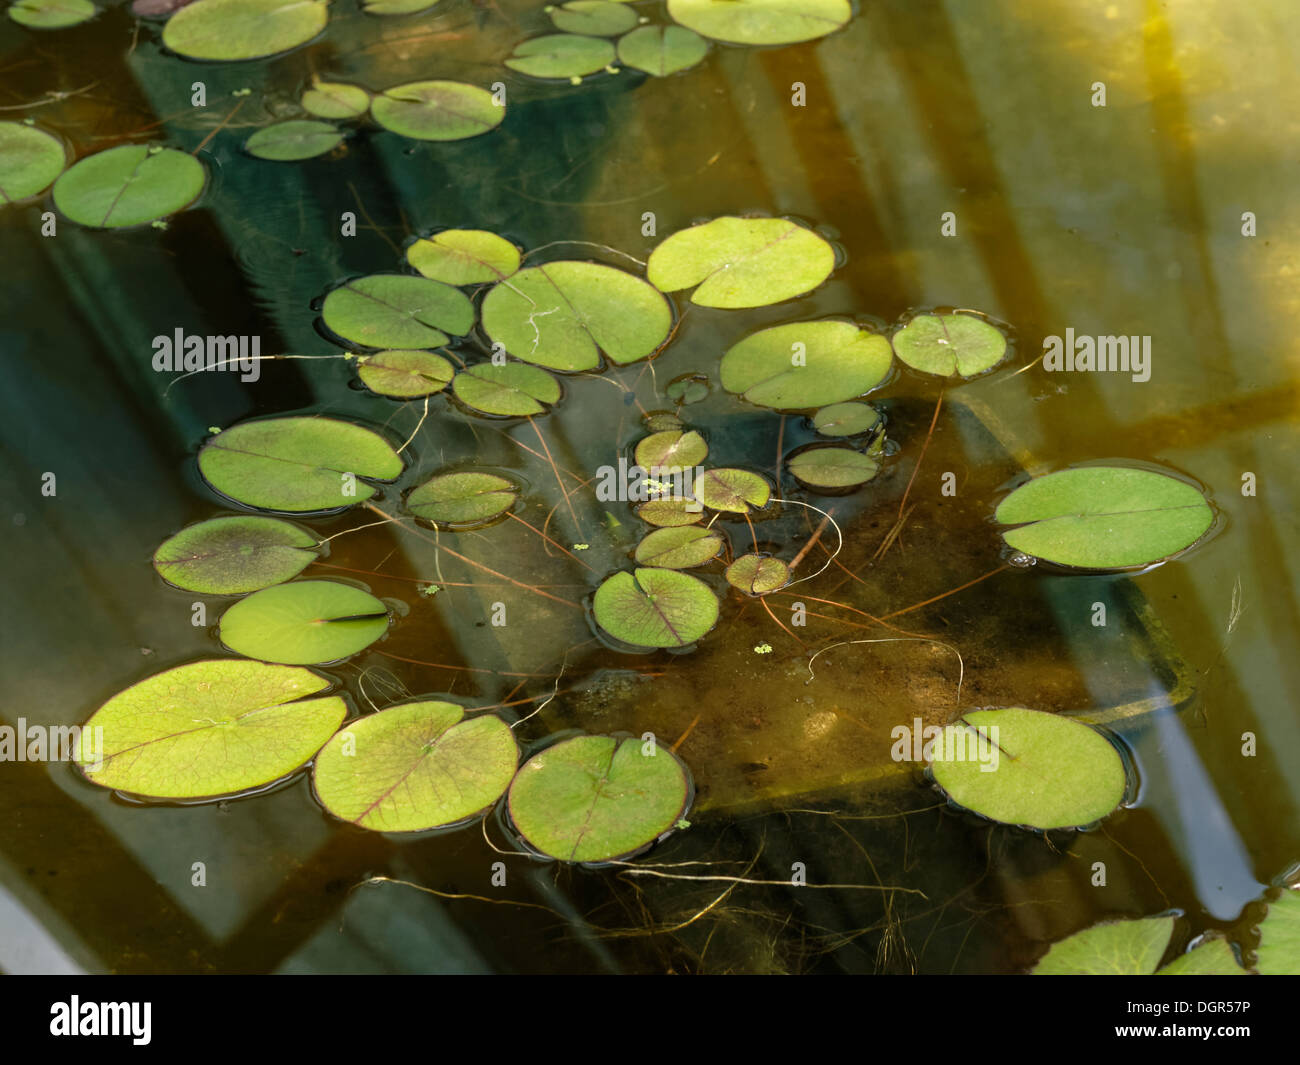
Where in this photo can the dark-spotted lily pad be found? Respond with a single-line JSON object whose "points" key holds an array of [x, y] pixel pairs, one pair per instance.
{"points": [[512, 390], [758, 574], [732, 490], [437, 110], [833, 467], [661, 50], [947, 344], [405, 374], [230, 556], [129, 185], [682, 547], [51, 14], [458, 500], [670, 450], [30, 159], [671, 512], [1115, 948], [846, 419], [655, 608], [597, 18], [304, 622], [1279, 937], [562, 55], [464, 257], [762, 21], [397, 311], [335, 99], [806, 364], [297, 139], [596, 798], [243, 29]]}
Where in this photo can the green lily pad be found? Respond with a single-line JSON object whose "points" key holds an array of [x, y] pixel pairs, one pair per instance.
{"points": [[297, 464], [414, 767], [464, 257], [564, 314], [397, 7], [335, 99], [833, 467], [662, 422], [562, 55], [437, 110], [512, 390], [208, 729], [304, 622], [655, 608], [741, 262], [1116, 948], [405, 374], [397, 311], [30, 159], [661, 50], [806, 364], [595, 798], [51, 14], [461, 499], [1211, 957], [687, 389], [673, 449], [230, 556], [243, 29], [129, 185], [758, 574], [762, 21], [682, 547], [732, 490], [297, 139], [597, 18], [846, 419], [1104, 517], [1048, 771], [946, 344], [1279, 937], [670, 513]]}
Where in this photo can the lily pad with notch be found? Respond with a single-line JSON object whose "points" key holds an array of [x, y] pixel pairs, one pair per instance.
{"points": [[806, 364], [128, 186], [671, 449], [437, 110], [335, 99], [670, 512], [51, 14], [304, 623], [294, 141], [562, 55], [459, 500], [30, 159], [846, 419], [758, 574], [397, 7], [758, 22], [679, 547], [234, 555], [661, 50], [732, 490], [464, 257], [401, 374], [594, 18], [1113, 948], [947, 344], [655, 608], [397, 311], [512, 390], [833, 467], [243, 29]]}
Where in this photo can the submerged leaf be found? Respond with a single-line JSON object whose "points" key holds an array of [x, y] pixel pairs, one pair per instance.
{"points": [[406, 374], [243, 29], [671, 449], [1279, 937], [30, 159], [806, 364], [846, 419], [51, 14], [762, 21], [655, 608], [1117, 948], [512, 390], [732, 490], [229, 556], [464, 257], [561, 55], [687, 389], [128, 185], [599, 18], [682, 547], [326, 99], [833, 467], [303, 623], [461, 499], [661, 50], [945, 344], [297, 139], [758, 574], [397, 311], [437, 110]]}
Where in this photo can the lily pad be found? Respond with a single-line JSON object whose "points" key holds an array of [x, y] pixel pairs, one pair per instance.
{"points": [[512, 390], [687, 389], [833, 467], [594, 798], [397, 311], [289, 142], [1104, 517], [397, 7], [297, 464], [662, 422], [732, 490], [1116, 948], [562, 55], [1279, 937], [946, 344], [243, 29], [806, 364], [564, 314], [230, 556], [207, 729], [129, 185], [762, 21], [741, 262], [655, 608], [464, 257], [405, 374], [335, 99], [414, 767], [462, 499], [661, 50], [304, 623], [51, 14], [1211, 957], [598, 18], [673, 449], [437, 110], [682, 547], [1047, 771], [30, 159], [670, 513], [846, 419], [758, 574]]}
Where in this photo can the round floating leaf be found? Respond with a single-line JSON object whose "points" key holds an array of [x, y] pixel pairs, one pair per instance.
{"points": [[1104, 517], [288, 142], [661, 50], [758, 574], [846, 419], [396, 7], [655, 608], [335, 99], [670, 513], [129, 185], [732, 490], [833, 467], [689, 388], [1211, 957], [414, 767], [406, 374], [459, 499], [1048, 771], [397, 311], [513, 390], [806, 364], [51, 14], [30, 159], [679, 548], [741, 262], [599, 18], [564, 314], [297, 464], [437, 110], [762, 21], [945, 344], [593, 798], [207, 729], [1279, 937], [464, 257], [1117, 948], [562, 55], [243, 29], [672, 449], [229, 556], [662, 422], [304, 622]]}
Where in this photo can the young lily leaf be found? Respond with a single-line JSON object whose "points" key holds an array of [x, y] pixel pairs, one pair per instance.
{"points": [[833, 467], [564, 314], [846, 419], [406, 374], [662, 422], [297, 139], [243, 29], [758, 574], [1116, 948], [397, 7], [335, 99], [762, 21], [1048, 771], [806, 364], [689, 388], [655, 608], [297, 464], [670, 513], [670, 450], [51, 14], [946, 344], [304, 623], [397, 311], [1279, 937], [562, 55], [414, 767], [461, 499], [464, 257], [593, 798], [732, 490], [207, 729], [437, 110], [661, 50], [598, 18], [1211, 957], [229, 556], [512, 390], [1104, 517], [741, 262], [30, 159], [682, 547], [129, 185]]}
